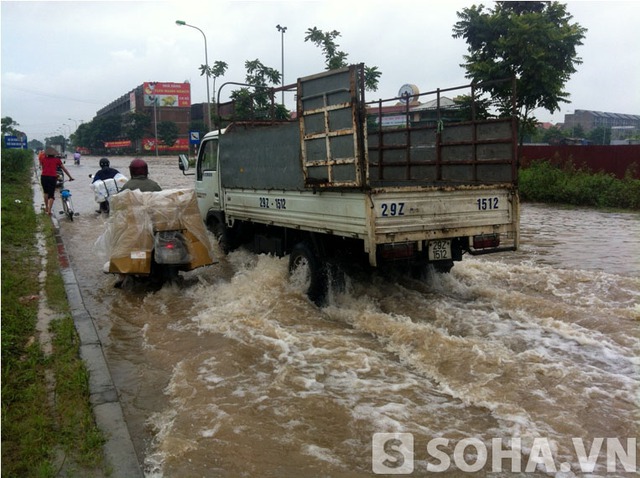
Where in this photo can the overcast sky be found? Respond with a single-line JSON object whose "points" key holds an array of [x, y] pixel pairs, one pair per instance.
{"points": [[63, 60]]}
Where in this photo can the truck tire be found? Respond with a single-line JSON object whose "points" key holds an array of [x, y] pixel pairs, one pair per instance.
{"points": [[221, 232], [305, 267]]}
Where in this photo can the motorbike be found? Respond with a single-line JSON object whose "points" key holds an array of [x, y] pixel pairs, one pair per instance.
{"points": [[155, 235], [103, 190], [59, 178]]}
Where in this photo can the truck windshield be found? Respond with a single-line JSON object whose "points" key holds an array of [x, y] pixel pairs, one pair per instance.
{"points": [[208, 159]]}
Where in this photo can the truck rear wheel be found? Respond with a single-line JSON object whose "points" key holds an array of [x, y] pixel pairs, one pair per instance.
{"points": [[307, 270]]}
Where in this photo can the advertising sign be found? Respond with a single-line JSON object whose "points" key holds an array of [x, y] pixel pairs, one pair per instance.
{"points": [[167, 95], [118, 144], [13, 142], [181, 144]]}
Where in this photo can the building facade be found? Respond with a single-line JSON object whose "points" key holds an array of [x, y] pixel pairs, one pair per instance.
{"points": [[161, 101], [590, 120]]}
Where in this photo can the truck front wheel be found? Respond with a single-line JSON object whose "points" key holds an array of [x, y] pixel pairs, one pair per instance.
{"points": [[306, 270], [221, 232]]}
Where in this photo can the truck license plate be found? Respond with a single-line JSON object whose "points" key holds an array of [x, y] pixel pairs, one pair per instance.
{"points": [[439, 250]]}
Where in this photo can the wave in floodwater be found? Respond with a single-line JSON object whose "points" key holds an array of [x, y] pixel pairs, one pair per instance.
{"points": [[490, 350], [235, 373]]}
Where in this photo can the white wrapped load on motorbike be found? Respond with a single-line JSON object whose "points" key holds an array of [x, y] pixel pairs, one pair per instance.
{"points": [[104, 189], [155, 234]]}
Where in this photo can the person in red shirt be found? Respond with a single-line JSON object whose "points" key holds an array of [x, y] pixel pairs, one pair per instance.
{"points": [[49, 165]]}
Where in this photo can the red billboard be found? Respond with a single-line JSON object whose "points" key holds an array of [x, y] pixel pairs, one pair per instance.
{"points": [[181, 144], [171, 95], [118, 144]]}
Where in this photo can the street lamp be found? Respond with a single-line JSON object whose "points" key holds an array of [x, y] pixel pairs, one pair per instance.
{"points": [[282, 30], [153, 97], [206, 64], [75, 121]]}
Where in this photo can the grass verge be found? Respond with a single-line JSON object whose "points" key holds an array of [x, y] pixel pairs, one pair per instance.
{"points": [[47, 421]]}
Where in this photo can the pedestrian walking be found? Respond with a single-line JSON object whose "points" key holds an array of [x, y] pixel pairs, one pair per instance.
{"points": [[49, 165]]}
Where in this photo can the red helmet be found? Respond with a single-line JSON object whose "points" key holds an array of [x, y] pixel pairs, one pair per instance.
{"points": [[138, 168]]}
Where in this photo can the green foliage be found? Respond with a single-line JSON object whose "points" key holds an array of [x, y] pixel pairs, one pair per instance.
{"points": [[326, 41], [544, 182], [371, 78], [77, 431], [335, 58], [93, 134], [168, 132], [25, 423], [8, 126], [535, 42], [35, 145], [33, 425], [467, 108], [134, 124], [599, 135], [218, 69], [257, 101]]}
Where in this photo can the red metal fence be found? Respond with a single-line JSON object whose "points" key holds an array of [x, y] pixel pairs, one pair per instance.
{"points": [[609, 159]]}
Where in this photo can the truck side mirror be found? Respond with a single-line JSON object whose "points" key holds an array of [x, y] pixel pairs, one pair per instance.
{"points": [[183, 164]]}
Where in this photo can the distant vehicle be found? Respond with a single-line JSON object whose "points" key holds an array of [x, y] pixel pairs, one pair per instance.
{"points": [[60, 149], [327, 190]]}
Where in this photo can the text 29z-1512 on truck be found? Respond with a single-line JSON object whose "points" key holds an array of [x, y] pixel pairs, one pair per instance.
{"points": [[344, 182]]}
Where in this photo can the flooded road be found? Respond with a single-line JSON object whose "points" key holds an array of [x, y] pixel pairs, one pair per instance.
{"points": [[234, 372]]}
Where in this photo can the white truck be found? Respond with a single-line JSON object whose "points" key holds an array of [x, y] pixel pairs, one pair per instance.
{"points": [[335, 185]]}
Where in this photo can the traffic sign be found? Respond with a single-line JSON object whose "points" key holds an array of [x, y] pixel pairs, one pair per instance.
{"points": [[15, 143], [194, 137]]}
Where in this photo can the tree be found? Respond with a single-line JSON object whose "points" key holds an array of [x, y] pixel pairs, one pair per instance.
{"points": [[93, 134], [600, 135], [218, 69], [553, 135], [35, 145], [168, 132], [260, 102], [134, 125], [535, 42], [468, 108], [8, 126], [335, 59]]}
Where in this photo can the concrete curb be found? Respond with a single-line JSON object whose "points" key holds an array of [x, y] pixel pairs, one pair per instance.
{"points": [[120, 454]]}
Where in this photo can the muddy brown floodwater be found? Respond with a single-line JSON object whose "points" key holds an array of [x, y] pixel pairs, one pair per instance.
{"points": [[233, 372]]}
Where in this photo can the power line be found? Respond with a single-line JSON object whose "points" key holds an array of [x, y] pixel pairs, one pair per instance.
{"points": [[48, 95]]}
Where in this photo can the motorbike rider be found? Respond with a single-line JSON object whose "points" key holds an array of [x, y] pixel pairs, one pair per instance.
{"points": [[105, 172], [76, 157], [139, 172], [49, 176], [140, 177]]}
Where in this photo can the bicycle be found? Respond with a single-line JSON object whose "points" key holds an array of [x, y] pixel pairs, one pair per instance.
{"points": [[67, 204]]}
